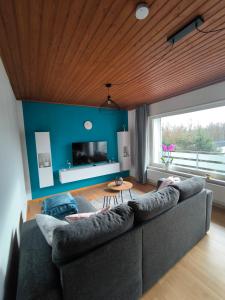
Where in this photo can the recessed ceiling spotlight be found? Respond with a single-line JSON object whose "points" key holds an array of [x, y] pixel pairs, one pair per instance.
{"points": [[142, 11]]}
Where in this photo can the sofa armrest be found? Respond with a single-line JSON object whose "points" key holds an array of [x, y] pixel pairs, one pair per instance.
{"points": [[112, 271], [38, 277], [209, 200]]}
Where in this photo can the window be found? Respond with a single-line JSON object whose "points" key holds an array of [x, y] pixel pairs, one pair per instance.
{"points": [[199, 138]]}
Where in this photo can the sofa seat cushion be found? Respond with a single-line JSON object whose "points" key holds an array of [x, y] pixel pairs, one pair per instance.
{"points": [[72, 241], [189, 187], [84, 206], [38, 277], [150, 205]]}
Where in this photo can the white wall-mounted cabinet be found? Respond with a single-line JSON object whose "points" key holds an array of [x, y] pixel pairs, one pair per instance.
{"points": [[44, 159], [123, 140], [89, 171]]}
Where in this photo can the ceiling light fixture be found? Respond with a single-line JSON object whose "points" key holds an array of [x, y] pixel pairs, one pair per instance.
{"points": [[142, 11], [109, 102], [194, 24], [188, 28]]}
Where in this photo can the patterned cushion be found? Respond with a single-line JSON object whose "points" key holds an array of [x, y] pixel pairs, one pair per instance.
{"points": [[59, 206]]}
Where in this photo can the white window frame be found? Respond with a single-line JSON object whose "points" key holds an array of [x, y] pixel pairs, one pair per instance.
{"points": [[158, 140]]}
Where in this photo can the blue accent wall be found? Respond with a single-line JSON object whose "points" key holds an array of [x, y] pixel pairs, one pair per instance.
{"points": [[65, 124]]}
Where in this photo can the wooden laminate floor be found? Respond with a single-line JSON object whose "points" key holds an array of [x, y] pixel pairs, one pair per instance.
{"points": [[199, 275], [90, 193]]}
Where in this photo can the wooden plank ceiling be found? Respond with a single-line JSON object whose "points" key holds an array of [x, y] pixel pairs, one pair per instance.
{"points": [[65, 50]]}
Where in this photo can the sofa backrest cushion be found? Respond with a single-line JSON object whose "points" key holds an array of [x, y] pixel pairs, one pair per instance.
{"points": [[151, 204], [189, 187], [70, 242]]}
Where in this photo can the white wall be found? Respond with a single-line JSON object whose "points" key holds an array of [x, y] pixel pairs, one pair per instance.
{"points": [[24, 148], [206, 97], [12, 184]]}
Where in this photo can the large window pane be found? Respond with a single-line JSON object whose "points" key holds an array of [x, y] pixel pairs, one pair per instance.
{"points": [[199, 138]]}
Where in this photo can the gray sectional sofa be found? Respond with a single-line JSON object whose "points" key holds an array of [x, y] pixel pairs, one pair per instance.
{"points": [[148, 236]]}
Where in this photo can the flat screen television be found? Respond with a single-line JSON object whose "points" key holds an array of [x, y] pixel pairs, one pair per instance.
{"points": [[89, 152]]}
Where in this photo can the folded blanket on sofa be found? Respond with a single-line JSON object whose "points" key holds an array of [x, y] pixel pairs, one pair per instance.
{"points": [[60, 206]]}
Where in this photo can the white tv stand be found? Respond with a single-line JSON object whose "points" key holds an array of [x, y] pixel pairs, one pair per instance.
{"points": [[88, 171]]}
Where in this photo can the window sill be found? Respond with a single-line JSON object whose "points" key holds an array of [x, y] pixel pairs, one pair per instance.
{"points": [[186, 174]]}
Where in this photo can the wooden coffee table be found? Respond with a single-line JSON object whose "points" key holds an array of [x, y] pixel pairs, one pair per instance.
{"points": [[120, 188]]}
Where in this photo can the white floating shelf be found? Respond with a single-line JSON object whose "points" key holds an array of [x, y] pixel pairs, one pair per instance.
{"points": [[123, 141], [85, 172], [44, 159]]}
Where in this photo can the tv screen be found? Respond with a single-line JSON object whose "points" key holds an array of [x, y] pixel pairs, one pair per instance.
{"points": [[89, 152]]}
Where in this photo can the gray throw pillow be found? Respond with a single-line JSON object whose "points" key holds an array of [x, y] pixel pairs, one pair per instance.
{"points": [[47, 225], [80, 237], [151, 204], [189, 187]]}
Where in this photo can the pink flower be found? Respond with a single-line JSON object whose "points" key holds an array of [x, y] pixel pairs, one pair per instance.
{"points": [[164, 147], [171, 147]]}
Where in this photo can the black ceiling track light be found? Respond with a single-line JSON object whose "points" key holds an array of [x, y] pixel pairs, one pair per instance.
{"points": [[109, 102], [194, 24], [185, 30]]}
